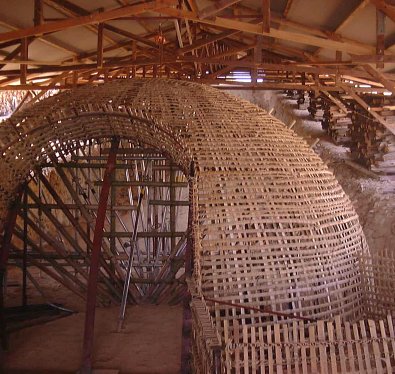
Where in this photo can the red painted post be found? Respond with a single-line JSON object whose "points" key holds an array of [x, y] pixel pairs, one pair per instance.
{"points": [[86, 366], [186, 345], [4, 252]]}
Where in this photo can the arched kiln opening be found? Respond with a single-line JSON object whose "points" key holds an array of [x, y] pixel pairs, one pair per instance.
{"points": [[145, 227]]}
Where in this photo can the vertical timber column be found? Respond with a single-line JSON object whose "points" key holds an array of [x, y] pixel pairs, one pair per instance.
{"points": [[186, 348], [4, 252], [24, 261], [86, 367], [380, 38], [172, 207]]}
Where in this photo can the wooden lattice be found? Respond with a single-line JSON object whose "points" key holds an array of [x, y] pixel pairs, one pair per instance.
{"points": [[272, 226]]}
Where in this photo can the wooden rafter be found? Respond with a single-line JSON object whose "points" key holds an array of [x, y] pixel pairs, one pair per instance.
{"points": [[85, 20], [279, 34]]}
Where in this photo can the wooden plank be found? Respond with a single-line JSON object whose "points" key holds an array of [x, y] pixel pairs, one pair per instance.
{"points": [[358, 345], [313, 353], [387, 357], [332, 351], [365, 346], [322, 348], [261, 350], [350, 351], [340, 338], [392, 334], [277, 340], [295, 339], [236, 334], [227, 339], [303, 349], [286, 341], [246, 360], [270, 360], [253, 350]]}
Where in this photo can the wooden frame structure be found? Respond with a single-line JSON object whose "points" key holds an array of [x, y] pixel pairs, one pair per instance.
{"points": [[274, 237], [207, 41]]}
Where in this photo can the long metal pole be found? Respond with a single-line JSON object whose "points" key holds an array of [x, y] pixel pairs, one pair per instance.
{"points": [[129, 270], [86, 367]]}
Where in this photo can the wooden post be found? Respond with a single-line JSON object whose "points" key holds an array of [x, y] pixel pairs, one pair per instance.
{"points": [[38, 12], [24, 258], [257, 58], [380, 35], [24, 57], [86, 367], [4, 252], [100, 46], [266, 16]]}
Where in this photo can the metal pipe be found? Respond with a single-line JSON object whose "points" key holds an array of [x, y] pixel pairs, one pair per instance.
{"points": [[129, 271]]}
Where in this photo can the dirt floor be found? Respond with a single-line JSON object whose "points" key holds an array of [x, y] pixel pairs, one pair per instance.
{"points": [[151, 341]]}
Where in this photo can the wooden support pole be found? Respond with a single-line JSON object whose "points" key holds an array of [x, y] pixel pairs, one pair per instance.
{"points": [[266, 16], [4, 253], [38, 12], [86, 367], [380, 35], [187, 314], [24, 57], [24, 258], [257, 58], [100, 45]]}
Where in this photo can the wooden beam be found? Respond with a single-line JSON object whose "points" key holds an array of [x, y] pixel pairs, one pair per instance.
{"points": [[215, 8], [51, 41], [85, 20]]}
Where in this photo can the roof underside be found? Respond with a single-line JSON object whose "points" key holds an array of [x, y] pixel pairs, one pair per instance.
{"points": [[285, 44]]}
